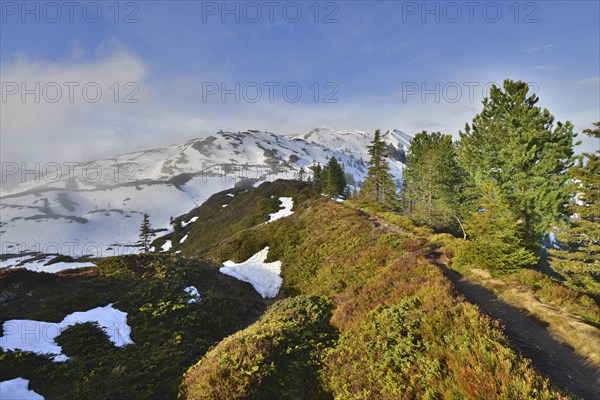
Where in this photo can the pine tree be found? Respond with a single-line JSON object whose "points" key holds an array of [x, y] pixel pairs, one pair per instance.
{"points": [[379, 187], [146, 233], [494, 242], [317, 182], [302, 173], [514, 143], [334, 179], [432, 181], [578, 258]]}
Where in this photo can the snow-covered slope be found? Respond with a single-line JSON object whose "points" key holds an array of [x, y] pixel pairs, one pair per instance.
{"points": [[355, 142], [96, 208]]}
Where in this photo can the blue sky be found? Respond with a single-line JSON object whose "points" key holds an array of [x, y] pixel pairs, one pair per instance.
{"points": [[373, 58]]}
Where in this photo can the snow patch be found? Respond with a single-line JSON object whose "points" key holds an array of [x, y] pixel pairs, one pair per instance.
{"points": [[38, 336], [230, 195], [264, 277], [18, 389], [193, 292], [183, 239], [40, 266], [184, 224], [166, 246], [287, 203]]}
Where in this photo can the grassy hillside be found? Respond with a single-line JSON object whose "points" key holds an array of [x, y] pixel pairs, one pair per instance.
{"points": [[363, 314], [401, 330], [229, 212], [169, 334], [277, 357]]}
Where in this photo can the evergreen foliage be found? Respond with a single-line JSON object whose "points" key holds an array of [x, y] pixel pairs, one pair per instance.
{"points": [[515, 144], [317, 182], [578, 259], [146, 233], [379, 186], [432, 181], [494, 242], [333, 178]]}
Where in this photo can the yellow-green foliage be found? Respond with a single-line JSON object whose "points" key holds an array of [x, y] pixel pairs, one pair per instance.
{"points": [[551, 291], [425, 344], [276, 358], [323, 247], [246, 209], [403, 333], [446, 241], [494, 243]]}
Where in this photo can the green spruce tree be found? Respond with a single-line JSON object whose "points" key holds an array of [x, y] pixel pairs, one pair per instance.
{"points": [[334, 182], [146, 233], [494, 243], [515, 144], [432, 181], [317, 183], [578, 256], [379, 187]]}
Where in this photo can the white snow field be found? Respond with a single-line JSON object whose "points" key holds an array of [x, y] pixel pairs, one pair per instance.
{"points": [[39, 266], [95, 209], [38, 336], [193, 292], [287, 204], [18, 389], [264, 277]]}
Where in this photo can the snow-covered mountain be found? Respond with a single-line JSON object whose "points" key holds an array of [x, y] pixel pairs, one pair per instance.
{"points": [[96, 208], [355, 142]]}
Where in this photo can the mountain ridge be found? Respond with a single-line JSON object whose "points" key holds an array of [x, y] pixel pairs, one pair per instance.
{"points": [[95, 209]]}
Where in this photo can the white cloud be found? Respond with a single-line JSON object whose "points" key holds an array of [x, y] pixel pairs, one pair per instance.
{"points": [[171, 110], [536, 49], [65, 110], [595, 81]]}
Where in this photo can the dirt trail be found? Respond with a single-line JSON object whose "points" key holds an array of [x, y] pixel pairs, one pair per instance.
{"points": [[550, 357], [553, 359]]}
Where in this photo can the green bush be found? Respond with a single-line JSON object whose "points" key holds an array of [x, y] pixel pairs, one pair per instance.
{"points": [[276, 358]]}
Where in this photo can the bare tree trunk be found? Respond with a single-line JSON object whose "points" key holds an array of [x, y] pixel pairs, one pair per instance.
{"points": [[461, 228]]}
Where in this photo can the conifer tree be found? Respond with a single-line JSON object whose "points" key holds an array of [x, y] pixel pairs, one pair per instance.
{"points": [[334, 181], [494, 242], [146, 233], [578, 256], [515, 143], [302, 173], [432, 181], [379, 187], [316, 181]]}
